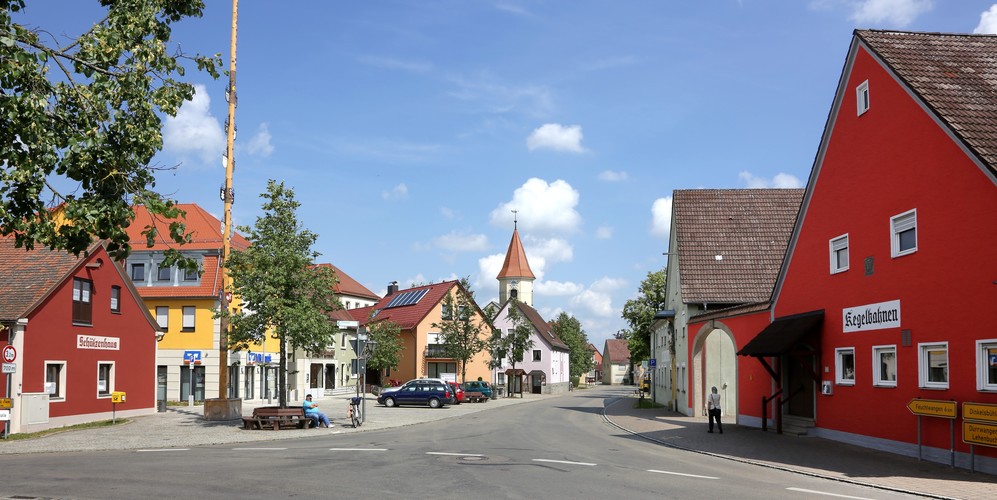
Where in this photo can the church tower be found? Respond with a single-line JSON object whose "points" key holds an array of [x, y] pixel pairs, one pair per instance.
{"points": [[516, 279]]}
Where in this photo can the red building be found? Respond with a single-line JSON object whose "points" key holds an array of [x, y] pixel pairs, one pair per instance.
{"points": [[888, 290], [79, 333]]}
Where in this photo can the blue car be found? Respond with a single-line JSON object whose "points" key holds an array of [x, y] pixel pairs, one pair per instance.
{"points": [[423, 392]]}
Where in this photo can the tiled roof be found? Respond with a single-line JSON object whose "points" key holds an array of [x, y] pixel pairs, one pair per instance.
{"points": [[29, 276], [596, 354], [349, 286], [209, 287], [731, 242], [361, 313], [205, 229], [515, 265], [543, 328], [341, 315], [955, 74], [617, 351], [408, 317]]}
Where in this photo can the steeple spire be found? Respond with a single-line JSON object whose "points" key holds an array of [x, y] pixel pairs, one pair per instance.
{"points": [[516, 278]]}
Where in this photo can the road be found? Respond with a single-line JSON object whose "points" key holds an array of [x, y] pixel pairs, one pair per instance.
{"points": [[551, 449]]}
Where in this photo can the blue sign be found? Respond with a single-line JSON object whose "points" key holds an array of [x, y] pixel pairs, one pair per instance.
{"points": [[191, 356], [652, 363], [256, 357], [993, 360]]}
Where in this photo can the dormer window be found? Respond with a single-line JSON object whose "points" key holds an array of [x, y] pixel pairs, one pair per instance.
{"points": [[862, 97], [138, 272]]}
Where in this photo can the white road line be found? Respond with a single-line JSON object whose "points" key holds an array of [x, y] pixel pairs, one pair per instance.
{"points": [[454, 454], [561, 462], [358, 449], [815, 492], [166, 449], [258, 449], [681, 474]]}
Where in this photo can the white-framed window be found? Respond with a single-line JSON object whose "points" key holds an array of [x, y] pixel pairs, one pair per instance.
{"points": [[862, 97], [536, 355], [884, 366], [839, 253], [844, 365], [933, 365], [55, 380], [105, 379], [115, 299], [163, 317], [903, 237], [986, 365], [188, 319]]}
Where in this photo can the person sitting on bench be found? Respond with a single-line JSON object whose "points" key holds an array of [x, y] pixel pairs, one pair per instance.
{"points": [[312, 412]]}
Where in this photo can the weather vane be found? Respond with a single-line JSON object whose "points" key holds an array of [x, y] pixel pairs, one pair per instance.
{"points": [[514, 221]]}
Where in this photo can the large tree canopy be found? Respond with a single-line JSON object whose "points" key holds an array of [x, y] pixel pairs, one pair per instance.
{"points": [[639, 313], [462, 330], [569, 330], [80, 123]]}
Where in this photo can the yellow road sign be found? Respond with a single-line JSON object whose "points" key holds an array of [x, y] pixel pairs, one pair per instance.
{"points": [[6, 403], [933, 408], [980, 412], [979, 433]]}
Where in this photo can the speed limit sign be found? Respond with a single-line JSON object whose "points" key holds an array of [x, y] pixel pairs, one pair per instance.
{"points": [[9, 354]]}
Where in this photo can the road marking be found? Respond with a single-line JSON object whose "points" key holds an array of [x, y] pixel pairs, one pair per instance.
{"points": [[258, 449], [815, 492], [454, 454], [561, 462], [681, 474], [167, 449], [358, 449]]}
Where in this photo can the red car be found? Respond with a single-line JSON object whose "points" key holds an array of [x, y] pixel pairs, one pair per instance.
{"points": [[458, 392]]}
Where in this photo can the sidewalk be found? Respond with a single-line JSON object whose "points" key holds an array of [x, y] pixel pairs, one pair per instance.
{"points": [[806, 455]]}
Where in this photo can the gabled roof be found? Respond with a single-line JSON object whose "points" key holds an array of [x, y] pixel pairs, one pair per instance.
{"points": [[542, 327], [617, 351], [349, 286], [954, 74], [596, 354], [731, 242], [409, 316], [209, 286], [205, 229], [515, 265]]}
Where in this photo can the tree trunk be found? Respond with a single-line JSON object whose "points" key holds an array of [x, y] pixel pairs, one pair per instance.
{"points": [[282, 376]]}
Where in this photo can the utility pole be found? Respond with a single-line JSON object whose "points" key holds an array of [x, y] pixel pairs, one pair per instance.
{"points": [[228, 195]]}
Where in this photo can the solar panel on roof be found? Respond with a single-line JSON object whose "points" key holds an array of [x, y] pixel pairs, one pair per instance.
{"points": [[407, 298]]}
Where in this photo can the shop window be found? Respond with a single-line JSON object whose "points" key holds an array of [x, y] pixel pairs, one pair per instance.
{"points": [[904, 237], [862, 98], [933, 365], [55, 380], [105, 379], [839, 254], [116, 299], [884, 366], [986, 365], [163, 317], [188, 319], [82, 302], [844, 365]]}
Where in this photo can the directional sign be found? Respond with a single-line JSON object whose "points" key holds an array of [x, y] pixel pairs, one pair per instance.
{"points": [[979, 433], [933, 408], [9, 354], [6, 403], [980, 412]]}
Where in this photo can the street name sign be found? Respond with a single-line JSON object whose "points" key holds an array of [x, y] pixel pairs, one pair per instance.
{"points": [[980, 412], [933, 408], [979, 433]]}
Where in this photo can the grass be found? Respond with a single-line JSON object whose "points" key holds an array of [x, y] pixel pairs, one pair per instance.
{"points": [[646, 403], [46, 432]]}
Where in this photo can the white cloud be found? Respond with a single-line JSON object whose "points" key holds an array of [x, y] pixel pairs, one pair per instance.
{"points": [[497, 97], [607, 284], [604, 232], [598, 303], [549, 249], [260, 144], [195, 130], [557, 137], [558, 288], [399, 192], [613, 176], [489, 268], [781, 180], [661, 217], [448, 212], [455, 242], [988, 21], [512, 9], [542, 208], [897, 13]]}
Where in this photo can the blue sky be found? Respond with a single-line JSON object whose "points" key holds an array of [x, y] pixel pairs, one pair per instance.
{"points": [[410, 130]]}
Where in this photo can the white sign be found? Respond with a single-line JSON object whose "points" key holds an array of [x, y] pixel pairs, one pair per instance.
{"points": [[9, 353], [9, 368], [871, 317], [100, 343], [4, 415]]}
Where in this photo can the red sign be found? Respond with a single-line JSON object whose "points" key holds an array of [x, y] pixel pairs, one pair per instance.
{"points": [[9, 354]]}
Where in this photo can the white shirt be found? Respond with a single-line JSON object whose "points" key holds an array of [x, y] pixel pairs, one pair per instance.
{"points": [[714, 401]]}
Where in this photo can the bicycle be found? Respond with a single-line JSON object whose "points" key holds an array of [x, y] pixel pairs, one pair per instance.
{"points": [[355, 412]]}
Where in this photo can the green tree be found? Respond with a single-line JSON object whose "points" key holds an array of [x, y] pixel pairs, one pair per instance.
{"points": [[80, 123], [514, 344], [461, 328], [569, 330], [387, 336], [284, 294], [639, 313]]}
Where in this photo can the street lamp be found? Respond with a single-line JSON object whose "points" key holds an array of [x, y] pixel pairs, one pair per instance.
{"points": [[365, 352]]}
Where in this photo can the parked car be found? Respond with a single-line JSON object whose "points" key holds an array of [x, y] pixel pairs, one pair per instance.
{"points": [[477, 391], [393, 388], [434, 393], [458, 392]]}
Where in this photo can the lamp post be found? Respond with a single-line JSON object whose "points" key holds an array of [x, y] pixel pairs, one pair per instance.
{"points": [[368, 350]]}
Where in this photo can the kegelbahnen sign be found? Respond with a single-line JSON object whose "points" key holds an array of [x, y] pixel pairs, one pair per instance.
{"points": [[871, 317]]}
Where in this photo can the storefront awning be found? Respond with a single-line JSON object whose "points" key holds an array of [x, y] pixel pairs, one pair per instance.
{"points": [[782, 334]]}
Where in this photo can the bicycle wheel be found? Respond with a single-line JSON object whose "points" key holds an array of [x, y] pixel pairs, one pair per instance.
{"points": [[355, 416]]}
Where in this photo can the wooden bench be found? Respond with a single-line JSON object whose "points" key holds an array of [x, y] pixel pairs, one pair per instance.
{"points": [[475, 396], [275, 417]]}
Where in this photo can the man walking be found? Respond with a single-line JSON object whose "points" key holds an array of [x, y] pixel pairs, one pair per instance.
{"points": [[312, 412], [713, 405]]}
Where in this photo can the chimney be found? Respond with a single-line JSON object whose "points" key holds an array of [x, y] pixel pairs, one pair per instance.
{"points": [[392, 288]]}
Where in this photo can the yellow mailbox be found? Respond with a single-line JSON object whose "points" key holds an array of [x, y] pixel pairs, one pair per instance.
{"points": [[118, 397]]}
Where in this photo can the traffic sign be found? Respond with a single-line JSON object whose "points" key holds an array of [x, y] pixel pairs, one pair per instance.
{"points": [[980, 412], [4, 415], [9, 368], [933, 408], [6, 403], [9, 353], [979, 433], [653, 363]]}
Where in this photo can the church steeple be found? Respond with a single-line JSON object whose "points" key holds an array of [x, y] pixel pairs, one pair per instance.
{"points": [[516, 278]]}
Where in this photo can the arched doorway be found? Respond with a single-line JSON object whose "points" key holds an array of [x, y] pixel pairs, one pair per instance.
{"points": [[714, 363]]}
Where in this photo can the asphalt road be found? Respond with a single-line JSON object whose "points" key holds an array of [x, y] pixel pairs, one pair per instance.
{"points": [[557, 448]]}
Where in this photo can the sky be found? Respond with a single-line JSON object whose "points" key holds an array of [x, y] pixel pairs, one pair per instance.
{"points": [[411, 130]]}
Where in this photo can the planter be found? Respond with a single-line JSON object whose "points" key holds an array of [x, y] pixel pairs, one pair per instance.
{"points": [[222, 409]]}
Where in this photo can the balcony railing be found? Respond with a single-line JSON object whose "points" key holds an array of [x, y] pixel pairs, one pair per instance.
{"points": [[436, 351]]}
